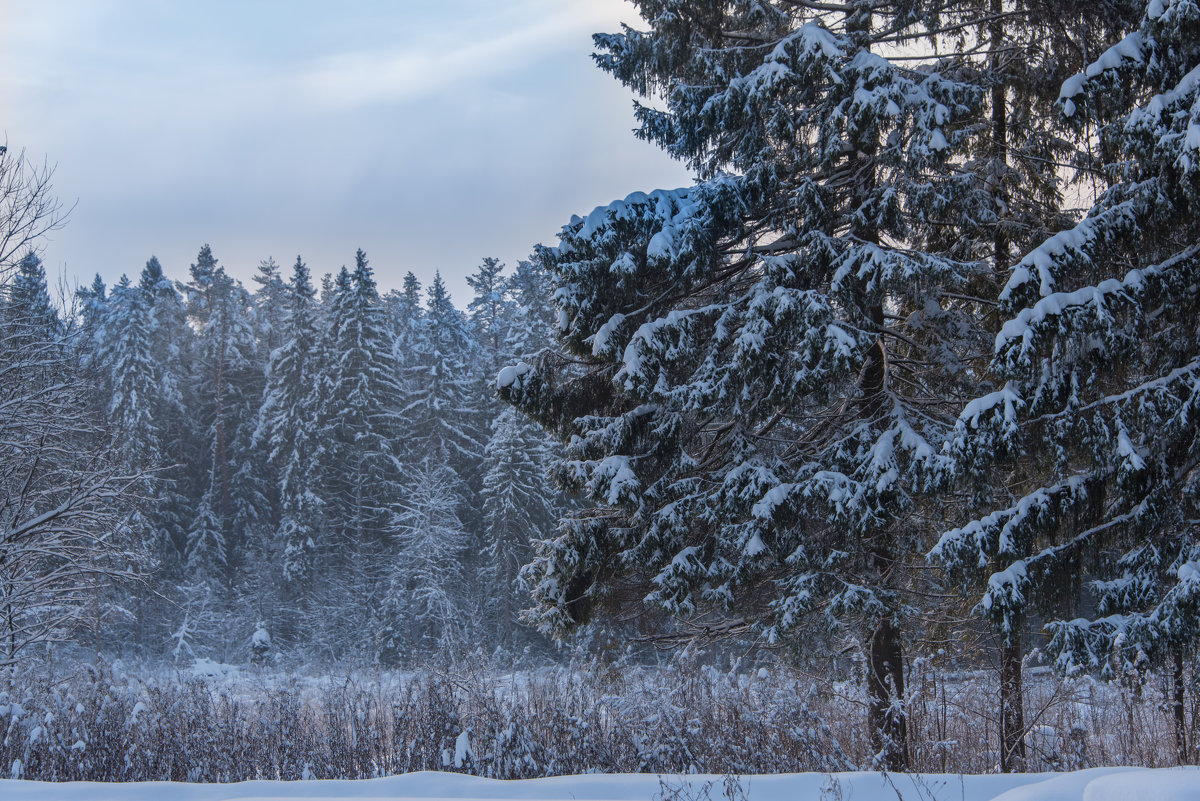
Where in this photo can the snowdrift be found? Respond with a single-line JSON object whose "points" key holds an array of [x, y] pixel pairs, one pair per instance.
{"points": [[1098, 784]]}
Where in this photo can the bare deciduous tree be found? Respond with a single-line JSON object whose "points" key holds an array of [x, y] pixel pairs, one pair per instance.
{"points": [[65, 502], [28, 207]]}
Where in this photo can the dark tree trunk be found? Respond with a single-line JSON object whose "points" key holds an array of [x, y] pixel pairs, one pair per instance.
{"points": [[885, 688], [1012, 701], [999, 145], [885, 675], [1178, 710], [1012, 706]]}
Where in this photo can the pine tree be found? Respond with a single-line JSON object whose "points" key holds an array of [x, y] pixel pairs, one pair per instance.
{"points": [[510, 317], [206, 547], [32, 319], [1010, 199], [404, 310], [177, 487], [533, 312], [172, 348], [92, 300], [443, 416], [490, 312], [91, 303], [289, 427], [409, 311], [133, 376], [441, 413], [134, 344], [270, 304], [356, 406]]}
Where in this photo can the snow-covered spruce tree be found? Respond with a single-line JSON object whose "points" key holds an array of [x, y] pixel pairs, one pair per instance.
{"points": [[519, 503], [33, 320], [441, 413], [92, 300], [125, 352], [759, 364], [134, 346], [228, 387], [491, 315], [1010, 199], [490, 312], [270, 304], [359, 393], [518, 507], [134, 381], [423, 606], [404, 310], [1100, 357], [337, 577], [360, 423], [287, 426], [533, 312], [171, 346]]}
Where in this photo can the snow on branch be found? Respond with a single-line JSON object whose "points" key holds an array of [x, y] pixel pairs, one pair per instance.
{"points": [[1126, 52], [998, 532], [1073, 244]]}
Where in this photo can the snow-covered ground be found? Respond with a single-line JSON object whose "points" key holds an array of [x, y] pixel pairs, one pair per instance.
{"points": [[1098, 784]]}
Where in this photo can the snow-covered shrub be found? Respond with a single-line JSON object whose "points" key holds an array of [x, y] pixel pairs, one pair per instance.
{"points": [[679, 717]]}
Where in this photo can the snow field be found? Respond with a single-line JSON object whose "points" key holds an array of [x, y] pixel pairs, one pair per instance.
{"points": [[1097, 784]]}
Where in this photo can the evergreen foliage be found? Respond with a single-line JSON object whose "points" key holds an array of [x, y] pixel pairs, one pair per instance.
{"points": [[360, 421], [427, 583], [759, 367], [287, 427], [518, 506], [1098, 357], [289, 444], [135, 377], [440, 414], [228, 378]]}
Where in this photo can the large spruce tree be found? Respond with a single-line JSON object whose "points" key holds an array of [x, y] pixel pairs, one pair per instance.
{"points": [[1012, 185], [1101, 363], [757, 367]]}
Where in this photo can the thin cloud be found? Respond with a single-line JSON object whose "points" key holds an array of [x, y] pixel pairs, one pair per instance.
{"points": [[428, 134], [404, 72]]}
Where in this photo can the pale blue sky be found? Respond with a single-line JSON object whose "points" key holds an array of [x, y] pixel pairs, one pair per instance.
{"points": [[431, 134]]}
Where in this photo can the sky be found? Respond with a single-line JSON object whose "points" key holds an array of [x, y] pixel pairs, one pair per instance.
{"points": [[430, 134]]}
